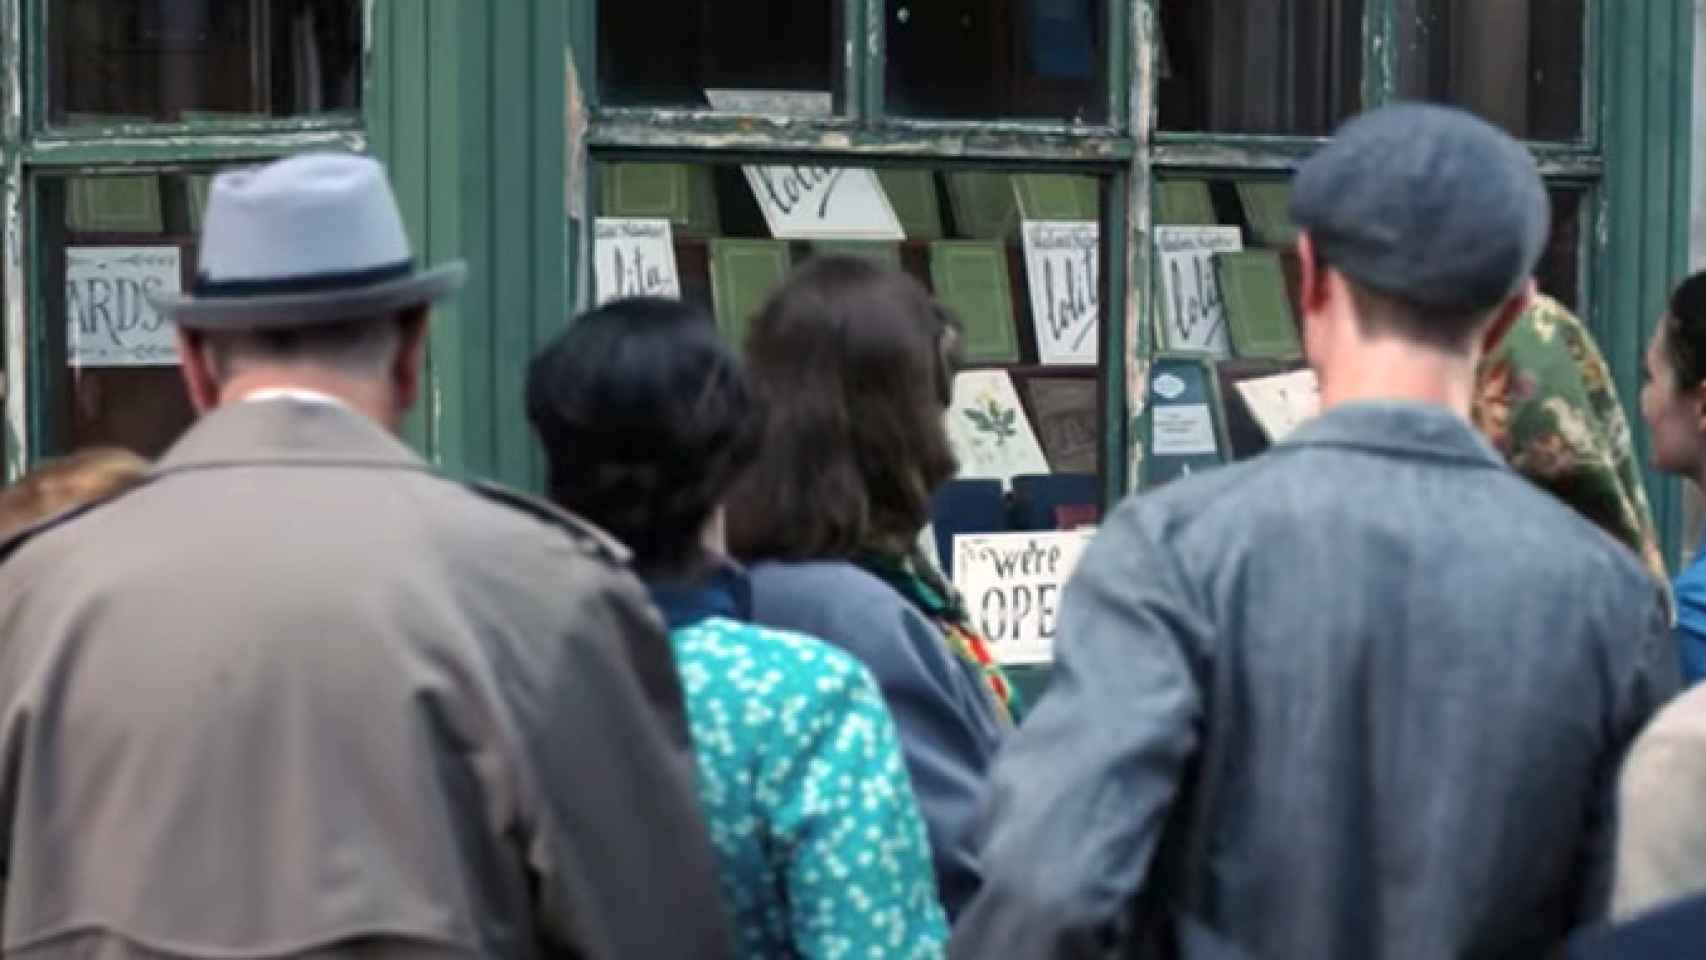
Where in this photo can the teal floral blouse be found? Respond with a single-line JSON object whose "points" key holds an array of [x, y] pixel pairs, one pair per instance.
{"points": [[820, 845]]}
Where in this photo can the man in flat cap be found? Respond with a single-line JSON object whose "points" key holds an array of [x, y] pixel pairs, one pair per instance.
{"points": [[297, 695], [1361, 697]]}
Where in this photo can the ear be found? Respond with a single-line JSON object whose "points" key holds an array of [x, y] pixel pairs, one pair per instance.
{"points": [[201, 380], [411, 355], [1313, 284], [1506, 317]]}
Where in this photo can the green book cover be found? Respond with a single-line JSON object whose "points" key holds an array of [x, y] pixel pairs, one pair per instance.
{"points": [[971, 277], [1258, 308], [1045, 196], [1267, 208], [881, 251], [682, 194], [197, 186], [984, 205], [743, 273], [125, 204], [1184, 203], [912, 194]]}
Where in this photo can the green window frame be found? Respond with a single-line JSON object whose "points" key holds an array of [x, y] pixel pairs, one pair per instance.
{"points": [[30, 150]]}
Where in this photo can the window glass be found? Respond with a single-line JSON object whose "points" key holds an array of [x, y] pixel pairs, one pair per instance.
{"points": [[1560, 270], [1031, 308], [669, 53], [1516, 62], [111, 362], [1259, 66], [181, 60], [982, 59]]}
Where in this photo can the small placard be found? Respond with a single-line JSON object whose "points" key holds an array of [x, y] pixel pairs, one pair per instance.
{"points": [[1182, 430], [634, 258], [1012, 583], [109, 322], [1191, 300], [1281, 404], [808, 202], [1061, 261]]}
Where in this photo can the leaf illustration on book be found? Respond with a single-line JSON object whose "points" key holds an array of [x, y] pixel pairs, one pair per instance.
{"points": [[999, 423]]}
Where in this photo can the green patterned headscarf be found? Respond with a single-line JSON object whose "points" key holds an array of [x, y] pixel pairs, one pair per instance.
{"points": [[1546, 400]]}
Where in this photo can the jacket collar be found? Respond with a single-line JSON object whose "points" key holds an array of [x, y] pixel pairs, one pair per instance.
{"points": [[724, 592], [286, 432], [1401, 428]]}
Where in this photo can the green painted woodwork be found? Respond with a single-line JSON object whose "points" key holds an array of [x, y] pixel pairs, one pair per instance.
{"points": [[466, 106]]}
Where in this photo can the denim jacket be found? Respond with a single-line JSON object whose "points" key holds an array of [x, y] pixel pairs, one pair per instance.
{"points": [[1361, 697]]}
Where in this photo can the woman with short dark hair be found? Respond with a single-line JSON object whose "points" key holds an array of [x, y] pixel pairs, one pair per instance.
{"points": [[647, 419], [856, 362]]}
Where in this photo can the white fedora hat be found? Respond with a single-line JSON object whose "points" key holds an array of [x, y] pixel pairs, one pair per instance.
{"points": [[306, 240]]}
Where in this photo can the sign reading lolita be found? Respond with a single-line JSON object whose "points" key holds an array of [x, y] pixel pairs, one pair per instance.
{"points": [[1061, 260], [1191, 302], [1011, 583], [634, 258], [108, 320], [804, 201]]}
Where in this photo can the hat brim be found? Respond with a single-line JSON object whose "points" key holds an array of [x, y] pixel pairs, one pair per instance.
{"points": [[279, 311]]}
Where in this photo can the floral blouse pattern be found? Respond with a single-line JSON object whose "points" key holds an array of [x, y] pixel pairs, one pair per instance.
{"points": [[818, 838]]}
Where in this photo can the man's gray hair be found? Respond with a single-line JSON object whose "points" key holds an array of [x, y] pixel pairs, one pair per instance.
{"points": [[358, 347]]}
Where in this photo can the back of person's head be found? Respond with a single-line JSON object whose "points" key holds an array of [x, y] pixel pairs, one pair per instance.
{"points": [[68, 482], [1684, 333], [1432, 218], [647, 418], [852, 358]]}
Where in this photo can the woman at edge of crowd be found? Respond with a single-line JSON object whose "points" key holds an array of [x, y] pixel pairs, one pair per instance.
{"points": [[1661, 842], [855, 360], [647, 418]]}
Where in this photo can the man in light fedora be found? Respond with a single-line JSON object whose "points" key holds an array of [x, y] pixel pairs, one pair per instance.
{"points": [[297, 694]]}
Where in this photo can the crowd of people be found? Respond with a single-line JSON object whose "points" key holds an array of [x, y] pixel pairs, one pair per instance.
{"points": [[1391, 689]]}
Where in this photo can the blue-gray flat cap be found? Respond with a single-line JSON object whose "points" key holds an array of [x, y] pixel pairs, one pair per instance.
{"points": [[1426, 203]]}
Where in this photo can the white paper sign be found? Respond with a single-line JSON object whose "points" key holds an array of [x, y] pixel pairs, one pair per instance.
{"points": [[769, 103], [1181, 429], [802, 202], [1194, 310], [107, 317], [991, 436], [634, 258], [1282, 403], [1011, 583], [1061, 261]]}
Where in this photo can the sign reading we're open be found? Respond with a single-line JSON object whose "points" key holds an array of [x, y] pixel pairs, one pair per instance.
{"points": [[1011, 583]]}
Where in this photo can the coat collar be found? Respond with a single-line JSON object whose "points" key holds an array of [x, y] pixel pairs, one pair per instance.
{"points": [[286, 432], [1397, 427]]}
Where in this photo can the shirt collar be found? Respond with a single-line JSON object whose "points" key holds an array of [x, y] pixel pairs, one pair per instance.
{"points": [[1399, 427], [724, 592], [299, 394]]}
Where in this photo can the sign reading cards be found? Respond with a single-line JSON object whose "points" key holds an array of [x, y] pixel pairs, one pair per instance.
{"points": [[108, 320], [1012, 582], [634, 258], [1061, 261], [1190, 285]]}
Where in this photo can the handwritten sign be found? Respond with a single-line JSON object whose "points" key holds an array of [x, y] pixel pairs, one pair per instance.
{"points": [[1282, 403], [1061, 261], [1190, 286], [806, 202], [108, 320], [634, 258], [1011, 583]]}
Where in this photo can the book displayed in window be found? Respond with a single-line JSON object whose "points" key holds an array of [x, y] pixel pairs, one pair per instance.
{"points": [[1045, 196], [1257, 305], [887, 254], [1062, 259], [682, 194], [743, 273], [1183, 203], [1261, 401], [912, 194], [1184, 435], [634, 258], [988, 429], [122, 204], [1193, 312], [984, 205], [1267, 209], [1067, 417], [971, 277]]}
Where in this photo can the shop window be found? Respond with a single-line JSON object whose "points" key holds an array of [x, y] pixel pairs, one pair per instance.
{"points": [[109, 361], [669, 54], [114, 61], [1278, 67], [1016, 255], [1519, 63], [988, 59]]}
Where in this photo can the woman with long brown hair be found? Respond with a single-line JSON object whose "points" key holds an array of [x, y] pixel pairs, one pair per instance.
{"points": [[854, 361]]}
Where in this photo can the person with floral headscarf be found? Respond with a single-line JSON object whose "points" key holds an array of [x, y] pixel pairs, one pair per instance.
{"points": [[1546, 401]]}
